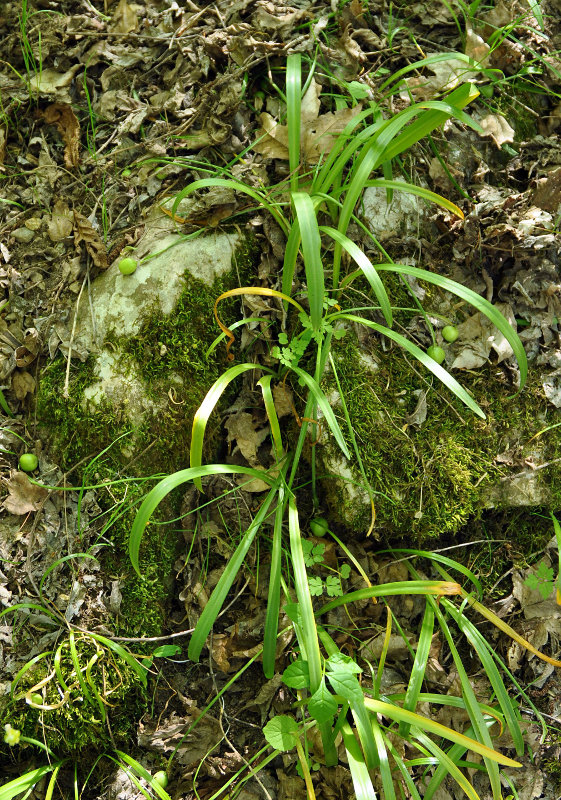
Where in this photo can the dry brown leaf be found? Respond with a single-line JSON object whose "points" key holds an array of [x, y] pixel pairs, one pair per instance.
{"points": [[248, 437], [284, 402], [85, 232], [23, 384], [317, 134], [27, 352], [497, 127], [60, 225], [61, 115], [124, 19], [23, 496]]}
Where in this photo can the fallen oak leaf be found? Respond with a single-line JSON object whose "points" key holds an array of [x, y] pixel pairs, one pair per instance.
{"points": [[317, 133], [85, 232], [23, 496]]}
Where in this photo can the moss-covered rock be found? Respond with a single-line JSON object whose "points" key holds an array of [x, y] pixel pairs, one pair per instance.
{"points": [[430, 477]]}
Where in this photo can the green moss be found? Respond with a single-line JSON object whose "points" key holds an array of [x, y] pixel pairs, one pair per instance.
{"points": [[77, 721], [165, 348], [429, 479]]}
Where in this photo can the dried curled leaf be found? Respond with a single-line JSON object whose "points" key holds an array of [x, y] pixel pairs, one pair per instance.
{"points": [[23, 496], [85, 232], [61, 115]]}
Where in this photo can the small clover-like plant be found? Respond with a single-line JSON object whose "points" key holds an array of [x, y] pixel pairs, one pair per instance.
{"points": [[314, 553], [543, 578]]}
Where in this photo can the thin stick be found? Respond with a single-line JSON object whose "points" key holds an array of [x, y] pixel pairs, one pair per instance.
{"points": [[65, 392]]}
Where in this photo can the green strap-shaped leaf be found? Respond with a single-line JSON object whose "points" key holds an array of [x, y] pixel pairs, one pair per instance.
{"points": [[311, 249], [326, 409], [205, 410], [165, 486], [367, 268], [478, 302], [442, 374]]}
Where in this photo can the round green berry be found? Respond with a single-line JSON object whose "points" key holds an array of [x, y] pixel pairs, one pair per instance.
{"points": [[36, 699], [319, 526], [161, 779], [450, 333], [28, 462], [128, 265], [436, 353]]}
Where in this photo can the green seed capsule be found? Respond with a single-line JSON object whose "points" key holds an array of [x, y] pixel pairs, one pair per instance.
{"points": [[319, 526], [36, 699], [450, 333], [28, 462], [128, 265], [161, 778], [436, 353]]}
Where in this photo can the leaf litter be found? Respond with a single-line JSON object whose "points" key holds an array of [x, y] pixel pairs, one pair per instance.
{"points": [[146, 82]]}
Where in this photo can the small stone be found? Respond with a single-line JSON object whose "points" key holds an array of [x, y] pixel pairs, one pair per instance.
{"points": [[23, 235]]}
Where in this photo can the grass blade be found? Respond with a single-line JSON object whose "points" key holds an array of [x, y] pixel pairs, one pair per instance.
{"points": [[367, 268], [483, 651], [445, 760], [24, 782], [438, 371], [425, 724], [271, 411], [273, 597], [311, 642], [218, 596], [419, 666], [165, 486], [290, 257], [293, 121], [437, 588], [311, 249], [362, 784], [420, 191], [205, 410], [478, 302], [260, 198], [323, 403], [384, 764]]}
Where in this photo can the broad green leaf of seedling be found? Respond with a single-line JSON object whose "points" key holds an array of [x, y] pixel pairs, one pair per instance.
{"points": [[345, 571], [281, 732], [297, 675], [333, 586], [339, 662], [322, 705], [542, 580]]}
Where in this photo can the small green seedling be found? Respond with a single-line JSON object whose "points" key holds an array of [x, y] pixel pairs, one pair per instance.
{"points": [[314, 554], [28, 462], [543, 578], [450, 333], [436, 353], [161, 779], [283, 734], [128, 265]]}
